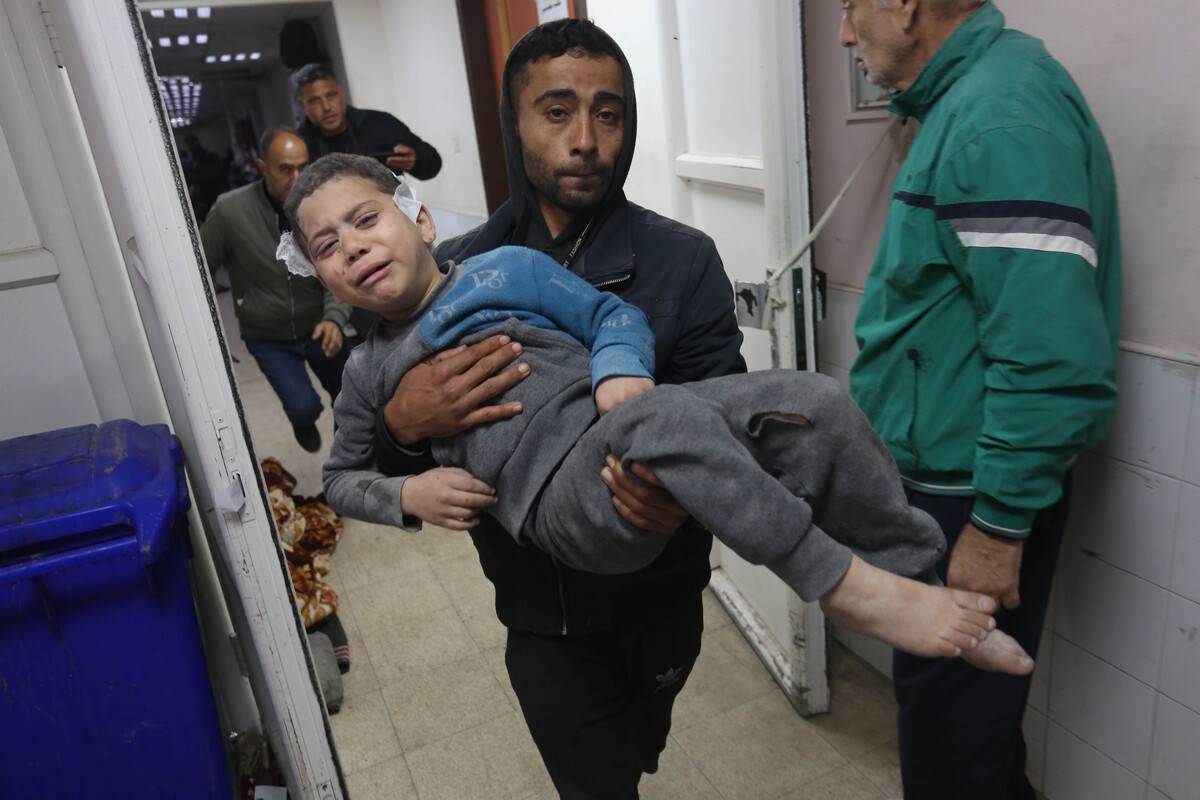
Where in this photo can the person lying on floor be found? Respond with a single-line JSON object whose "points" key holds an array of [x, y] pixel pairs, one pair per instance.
{"points": [[780, 465]]}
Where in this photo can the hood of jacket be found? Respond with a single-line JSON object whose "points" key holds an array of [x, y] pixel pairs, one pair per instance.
{"points": [[522, 198]]}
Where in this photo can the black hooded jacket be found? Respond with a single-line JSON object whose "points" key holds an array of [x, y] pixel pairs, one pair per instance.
{"points": [[673, 273], [369, 131]]}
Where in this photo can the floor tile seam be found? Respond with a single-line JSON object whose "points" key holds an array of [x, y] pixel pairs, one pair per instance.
{"points": [[443, 737], [695, 764], [688, 726]]}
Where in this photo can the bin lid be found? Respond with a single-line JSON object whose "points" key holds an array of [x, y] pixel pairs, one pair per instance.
{"points": [[60, 484]]}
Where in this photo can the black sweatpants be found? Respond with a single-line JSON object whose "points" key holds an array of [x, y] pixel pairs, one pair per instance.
{"points": [[960, 729], [599, 705]]}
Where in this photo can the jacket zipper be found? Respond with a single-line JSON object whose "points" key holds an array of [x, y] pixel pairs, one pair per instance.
{"points": [[611, 282], [292, 306], [914, 356], [562, 596]]}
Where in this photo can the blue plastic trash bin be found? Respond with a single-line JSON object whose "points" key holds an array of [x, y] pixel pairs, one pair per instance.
{"points": [[104, 692]]}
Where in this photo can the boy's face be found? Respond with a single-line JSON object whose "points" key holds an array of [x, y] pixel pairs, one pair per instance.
{"points": [[367, 253]]}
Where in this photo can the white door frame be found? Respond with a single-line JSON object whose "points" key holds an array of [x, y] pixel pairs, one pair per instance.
{"points": [[787, 633], [102, 46]]}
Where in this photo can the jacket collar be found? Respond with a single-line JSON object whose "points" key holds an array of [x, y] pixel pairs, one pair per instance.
{"points": [[952, 60], [607, 257]]}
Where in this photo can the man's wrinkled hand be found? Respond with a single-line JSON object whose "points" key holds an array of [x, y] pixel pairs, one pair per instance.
{"points": [[331, 337], [613, 391], [642, 500], [404, 160], [446, 394], [987, 564]]}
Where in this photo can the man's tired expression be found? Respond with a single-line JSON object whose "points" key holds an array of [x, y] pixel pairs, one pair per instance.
{"points": [[367, 253], [570, 116], [324, 104]]}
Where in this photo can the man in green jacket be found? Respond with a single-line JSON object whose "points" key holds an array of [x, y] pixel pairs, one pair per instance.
{"points": [[285, 321], [988, 335]]}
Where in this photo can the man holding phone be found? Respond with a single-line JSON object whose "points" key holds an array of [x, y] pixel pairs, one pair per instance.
{"points": [[335, 127]]}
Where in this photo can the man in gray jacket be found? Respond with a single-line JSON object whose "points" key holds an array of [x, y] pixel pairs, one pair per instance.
{"points": [[285, 321]]}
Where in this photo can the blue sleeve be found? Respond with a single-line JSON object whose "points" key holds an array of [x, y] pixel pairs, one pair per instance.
{"points": [[617, 333], [530, 286]]}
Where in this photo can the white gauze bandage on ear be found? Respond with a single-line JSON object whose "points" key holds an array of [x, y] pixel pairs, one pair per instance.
{"points": [[405, 200], [290, 252]]}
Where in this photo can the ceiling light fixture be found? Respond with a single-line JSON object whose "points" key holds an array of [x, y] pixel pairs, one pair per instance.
{"points": [[157, 13], [226, 57], [203, 12], [164, 41], [184, 40], [210, 59], [181, 13], [201, 38], [255, 56], [240, 57]]}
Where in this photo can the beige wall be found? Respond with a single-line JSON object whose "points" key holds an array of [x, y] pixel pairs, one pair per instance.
{"points": [[1150, 116]]}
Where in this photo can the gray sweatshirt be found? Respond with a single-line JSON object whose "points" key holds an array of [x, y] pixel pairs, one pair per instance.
{"points": [[573, 336]]}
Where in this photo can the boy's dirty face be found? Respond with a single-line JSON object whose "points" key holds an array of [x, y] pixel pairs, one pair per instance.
{"points": [[366, 252]]}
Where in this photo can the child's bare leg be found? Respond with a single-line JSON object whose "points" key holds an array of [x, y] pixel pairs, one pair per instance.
{"points": [[924, 620]]}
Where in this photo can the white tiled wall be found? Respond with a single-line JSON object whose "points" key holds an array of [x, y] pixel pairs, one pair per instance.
{"points": [[1114, 711]]}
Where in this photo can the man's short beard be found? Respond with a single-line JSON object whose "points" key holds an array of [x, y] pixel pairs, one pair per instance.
{"points": [[545, 181]]}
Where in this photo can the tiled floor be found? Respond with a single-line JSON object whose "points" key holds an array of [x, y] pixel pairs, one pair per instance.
{"points": [[429, 713]]}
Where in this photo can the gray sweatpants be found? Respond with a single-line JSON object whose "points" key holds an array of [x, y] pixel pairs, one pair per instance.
{"points": [[781, 466]]}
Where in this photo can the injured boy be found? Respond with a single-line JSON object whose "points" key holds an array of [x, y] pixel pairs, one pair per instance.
{"points": [[781, 466]]}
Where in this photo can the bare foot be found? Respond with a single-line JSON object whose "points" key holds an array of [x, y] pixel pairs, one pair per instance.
{"points": [[923, 620], [999, 652]]}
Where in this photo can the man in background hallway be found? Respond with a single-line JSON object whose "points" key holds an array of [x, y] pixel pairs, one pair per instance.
{"points": [[988, 334], [285, 321]]}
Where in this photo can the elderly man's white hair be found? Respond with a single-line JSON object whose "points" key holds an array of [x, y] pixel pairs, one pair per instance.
{"points": [[944, 7]]}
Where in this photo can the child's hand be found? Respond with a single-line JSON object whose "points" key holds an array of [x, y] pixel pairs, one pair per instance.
{"points": [[447, 496], [613, 391]]}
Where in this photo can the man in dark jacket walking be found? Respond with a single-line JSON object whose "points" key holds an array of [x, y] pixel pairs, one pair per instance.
{"points": [[285, 321], [596, 661]]}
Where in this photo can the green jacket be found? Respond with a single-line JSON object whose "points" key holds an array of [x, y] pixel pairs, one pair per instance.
{"points": [[241, 234], [988, 328]]}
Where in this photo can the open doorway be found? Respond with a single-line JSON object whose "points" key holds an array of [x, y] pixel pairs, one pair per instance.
{"points": [[224, 76]]}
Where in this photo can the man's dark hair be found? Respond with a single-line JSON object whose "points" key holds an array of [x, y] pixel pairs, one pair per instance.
{"points": [[327, 168], [269, 136], [580, 38], [313, 73]]}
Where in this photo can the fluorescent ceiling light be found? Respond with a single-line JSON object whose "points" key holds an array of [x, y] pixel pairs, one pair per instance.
{"points": [[210, 59], [226, 57], [201, 38], [157, 13], [181, 13], [203, 12], [240, 57], [184, 39], [164, 41], [255, 56]]}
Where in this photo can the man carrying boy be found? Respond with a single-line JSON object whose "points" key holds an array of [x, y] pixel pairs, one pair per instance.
{"points": [[823, 505], [596, 661], [285, 321]]}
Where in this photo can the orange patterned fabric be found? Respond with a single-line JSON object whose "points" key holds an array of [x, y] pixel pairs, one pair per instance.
{"points": [[309, 531]]}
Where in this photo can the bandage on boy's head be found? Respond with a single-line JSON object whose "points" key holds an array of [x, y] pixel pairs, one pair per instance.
{"points": [[291, 249]]}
